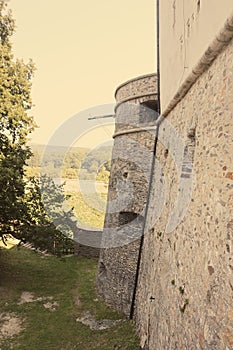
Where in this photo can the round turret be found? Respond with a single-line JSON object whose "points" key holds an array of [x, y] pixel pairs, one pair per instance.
{"points": [[134, 138]]}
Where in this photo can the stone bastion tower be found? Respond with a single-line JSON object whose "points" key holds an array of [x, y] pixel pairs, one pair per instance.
{"points": [[134, 138]]}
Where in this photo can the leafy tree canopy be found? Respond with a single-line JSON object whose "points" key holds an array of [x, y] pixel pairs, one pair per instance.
{"points": [[15, 125], [22, 210]]}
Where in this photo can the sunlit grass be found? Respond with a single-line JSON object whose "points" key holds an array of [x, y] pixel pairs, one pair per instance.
{"points": [[71, 283]]}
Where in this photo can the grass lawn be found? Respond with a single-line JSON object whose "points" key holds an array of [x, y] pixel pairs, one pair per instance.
{"points": [[58, 292]]}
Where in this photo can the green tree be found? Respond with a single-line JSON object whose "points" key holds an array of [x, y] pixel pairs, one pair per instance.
{"points": [[50, 224], [15, 126], [24, 203]]}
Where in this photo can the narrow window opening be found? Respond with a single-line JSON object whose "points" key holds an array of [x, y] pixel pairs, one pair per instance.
{"points": [[152, 104], [126, 217], [148, 111]]}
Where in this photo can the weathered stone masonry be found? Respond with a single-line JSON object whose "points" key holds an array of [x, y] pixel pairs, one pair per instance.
{"points": [[185, 292], [184, 297], [128, 187]]}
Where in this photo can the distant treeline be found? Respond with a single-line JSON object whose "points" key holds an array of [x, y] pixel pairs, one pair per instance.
{"points": [[60, 162]]}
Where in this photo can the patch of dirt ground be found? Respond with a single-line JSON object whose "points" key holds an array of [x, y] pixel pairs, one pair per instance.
{"points": [[28, 297], [10, 325]]}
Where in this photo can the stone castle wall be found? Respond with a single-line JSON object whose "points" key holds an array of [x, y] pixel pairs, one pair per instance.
{"points": [[87, 242], [185, 291], [137, 88], [128, 188]]}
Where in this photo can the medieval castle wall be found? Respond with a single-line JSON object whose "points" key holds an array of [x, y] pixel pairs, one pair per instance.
{"points": [[128, 187], [185, 291], [87, 242]]}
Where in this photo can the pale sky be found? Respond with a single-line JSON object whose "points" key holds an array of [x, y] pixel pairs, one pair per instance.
{"points": [[82, 50]]}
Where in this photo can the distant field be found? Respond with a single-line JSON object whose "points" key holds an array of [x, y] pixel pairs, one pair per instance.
{"points": [[69, 166], [89, 207], [84, 208], [72, 185]]}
